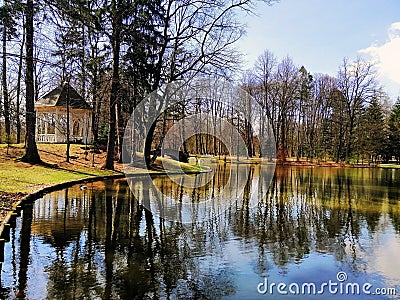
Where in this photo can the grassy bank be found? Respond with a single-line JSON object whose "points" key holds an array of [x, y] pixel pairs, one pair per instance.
{"points": [[18, 179]]}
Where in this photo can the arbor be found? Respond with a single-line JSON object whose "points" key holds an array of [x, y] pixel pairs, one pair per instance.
{"points": [[94, 32]]}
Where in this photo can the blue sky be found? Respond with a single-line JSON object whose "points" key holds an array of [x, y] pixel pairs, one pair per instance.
{"points": [[320, 33]]}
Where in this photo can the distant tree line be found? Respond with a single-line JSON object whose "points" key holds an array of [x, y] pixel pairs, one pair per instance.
{"points": [[115, 52], [317, 116]]}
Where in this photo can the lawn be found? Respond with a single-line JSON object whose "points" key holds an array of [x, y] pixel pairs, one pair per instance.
{"points": [[17, 176]]}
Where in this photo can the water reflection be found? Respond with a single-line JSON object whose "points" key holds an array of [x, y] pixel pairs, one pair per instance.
{"points": [[309, 224]]}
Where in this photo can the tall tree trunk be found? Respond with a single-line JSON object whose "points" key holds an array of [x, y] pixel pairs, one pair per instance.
{"points": [[133, 128], [83, 64], [1, 129], [31, 153], [349, 145], [120, 130], [68, 124], [96, 109], [6, 100], [18, 104], [147, 146], [116, 44], [96, 98]]}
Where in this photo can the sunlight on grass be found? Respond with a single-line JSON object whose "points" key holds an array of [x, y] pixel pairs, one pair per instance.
{"points": [[16, 176]]}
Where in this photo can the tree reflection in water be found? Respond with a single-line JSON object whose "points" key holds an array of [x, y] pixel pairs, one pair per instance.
{"points": [[102, 243]]}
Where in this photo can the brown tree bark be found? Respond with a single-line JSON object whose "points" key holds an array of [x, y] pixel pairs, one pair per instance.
{"points": [[6, 100], [116, 45], [18, 103], [120, 130], [31, 152]]}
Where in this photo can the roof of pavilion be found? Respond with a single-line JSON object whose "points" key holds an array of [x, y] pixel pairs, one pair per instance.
{"points": [[60, 96]]}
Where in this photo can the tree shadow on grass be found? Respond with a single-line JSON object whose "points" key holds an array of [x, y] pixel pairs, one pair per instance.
{"points": [[57, 167]]}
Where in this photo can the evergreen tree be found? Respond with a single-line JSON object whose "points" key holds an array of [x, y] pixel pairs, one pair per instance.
{"points": [[306, 121], [394, 131], [8, 30], [373, 133]]}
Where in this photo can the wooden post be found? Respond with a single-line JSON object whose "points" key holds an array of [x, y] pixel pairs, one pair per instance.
{"points": [[67, 153]]}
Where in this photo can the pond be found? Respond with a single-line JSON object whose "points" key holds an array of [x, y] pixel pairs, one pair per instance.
{"points": [[314, 233]]}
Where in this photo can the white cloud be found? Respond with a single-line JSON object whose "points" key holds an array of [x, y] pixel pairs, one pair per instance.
{"points": [[394, 30], [387, 55]]}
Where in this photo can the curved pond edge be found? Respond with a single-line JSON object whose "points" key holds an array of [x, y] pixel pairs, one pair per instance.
{"points": [[10, 219]]}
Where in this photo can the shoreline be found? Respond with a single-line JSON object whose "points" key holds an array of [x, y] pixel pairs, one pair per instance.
{"points": [[336, 165], [305, 163], [19, 180], [11, 201], [14, 210]]}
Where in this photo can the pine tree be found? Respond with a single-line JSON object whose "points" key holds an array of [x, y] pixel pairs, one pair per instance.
{"points": [[394, 131], [8, 30], [372, 132]]}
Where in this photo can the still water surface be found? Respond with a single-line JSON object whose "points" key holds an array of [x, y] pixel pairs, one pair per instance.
{"points": [[309, 225]]}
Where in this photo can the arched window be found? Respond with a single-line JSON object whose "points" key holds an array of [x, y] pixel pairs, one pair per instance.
{"points": [[76, 129], [51, 125], [40, 127]]}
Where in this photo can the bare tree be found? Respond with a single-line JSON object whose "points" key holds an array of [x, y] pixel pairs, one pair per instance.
{"points": [[317, 112], [265, 72], [197, 38], [358, 84], [286, 92]]}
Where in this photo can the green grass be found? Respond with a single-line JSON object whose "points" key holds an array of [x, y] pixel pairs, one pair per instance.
{"points": [[389, 166], [16, 176], [26, 179], [175, 166]]}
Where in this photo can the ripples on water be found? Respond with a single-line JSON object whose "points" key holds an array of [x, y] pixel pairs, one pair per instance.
{"points": [[310, 224]]}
